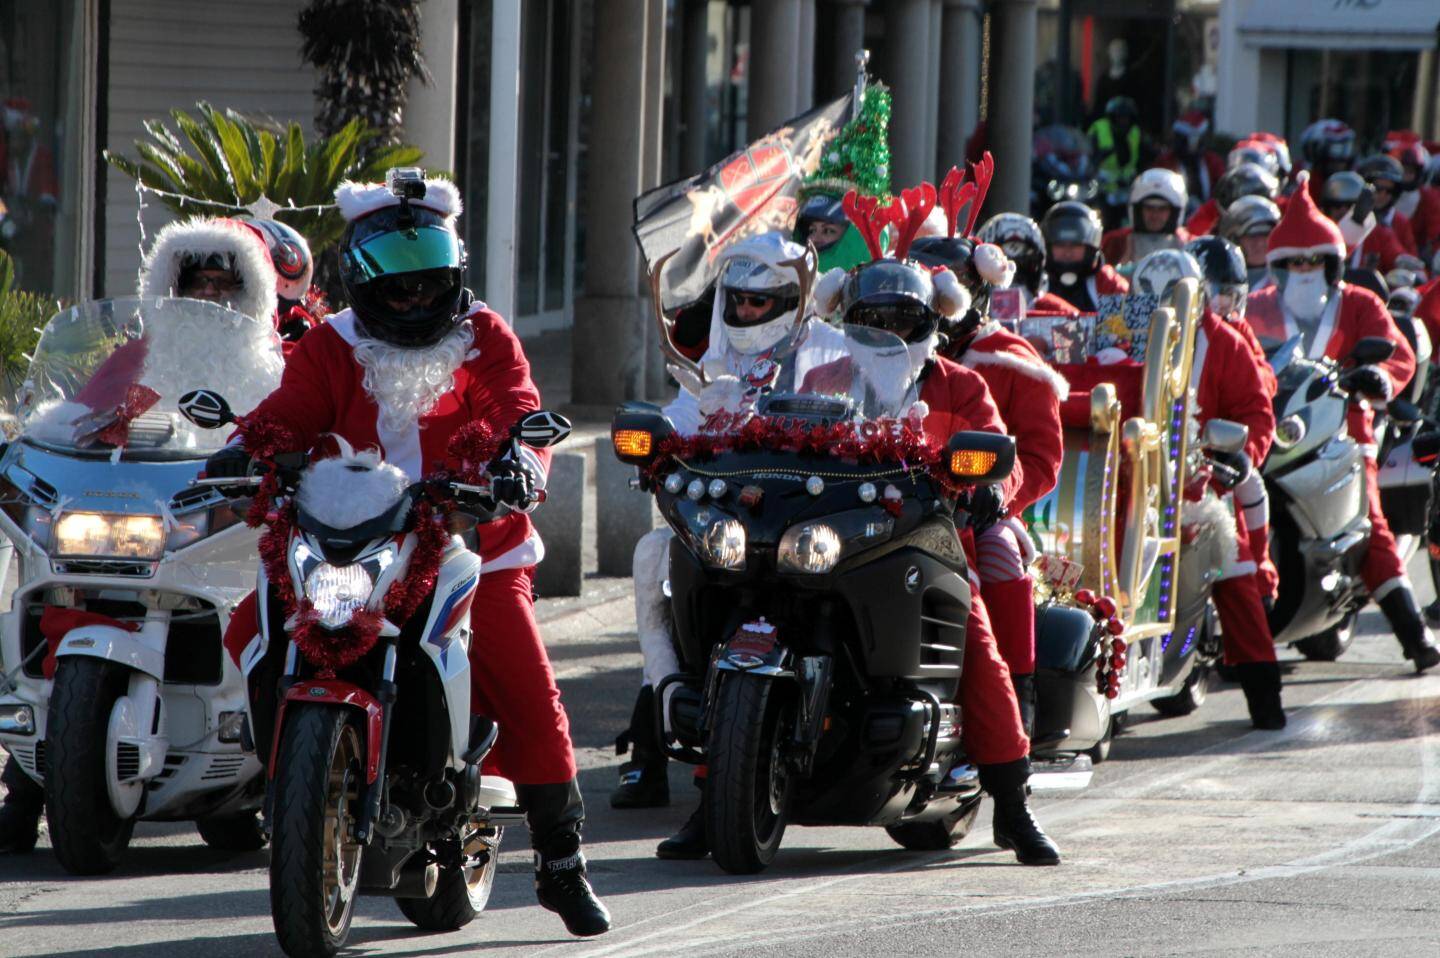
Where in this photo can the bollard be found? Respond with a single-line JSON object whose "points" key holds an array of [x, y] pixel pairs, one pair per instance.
{"points": [[559, 521], [622, 514]]}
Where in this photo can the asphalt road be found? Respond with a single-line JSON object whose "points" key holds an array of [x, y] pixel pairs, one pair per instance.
{"points": [[1198, 837]]}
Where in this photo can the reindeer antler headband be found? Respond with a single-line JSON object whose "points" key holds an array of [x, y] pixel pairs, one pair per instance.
{"points": [[956, 193]]}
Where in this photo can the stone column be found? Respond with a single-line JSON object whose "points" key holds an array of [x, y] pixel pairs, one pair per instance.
{"points": [[608, 347], [774, 81], [1012, 104], [805, 59], [694, 47], [849, 40], [933, 37], [430, 108], [959, 79], [652, 172], [907, 28]]}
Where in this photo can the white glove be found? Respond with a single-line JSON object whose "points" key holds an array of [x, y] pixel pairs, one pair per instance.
{"points": [[686, 377], [723, 394], [993, 265]]}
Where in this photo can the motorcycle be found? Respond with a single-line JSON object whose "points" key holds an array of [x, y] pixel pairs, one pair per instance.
{"points": [[1063, 169], [1315, 474], [819, 593], [359, 688], [118, 696]]}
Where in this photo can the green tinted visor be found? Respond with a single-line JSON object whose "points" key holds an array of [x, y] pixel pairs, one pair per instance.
{"points": [[405, 251]]}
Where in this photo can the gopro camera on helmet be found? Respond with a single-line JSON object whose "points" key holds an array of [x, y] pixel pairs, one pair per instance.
{"points": [[406, 182]]}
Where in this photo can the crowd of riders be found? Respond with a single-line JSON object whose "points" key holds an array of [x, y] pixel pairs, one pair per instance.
{"points": [[1330, 242]]}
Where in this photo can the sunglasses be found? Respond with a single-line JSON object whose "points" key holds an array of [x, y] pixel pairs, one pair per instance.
{"points": [[1308, 259], [751, 300], [1387, 190], [217, 284]]}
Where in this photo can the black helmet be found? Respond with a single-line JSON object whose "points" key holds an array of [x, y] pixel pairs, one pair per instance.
{"points": [[818, 208], [1245, 179], [1020, 237], [1118, 106], [1222, 268], [1071, 222], [890, 295], [1344, 191], [1381, 166], [398, 252]]}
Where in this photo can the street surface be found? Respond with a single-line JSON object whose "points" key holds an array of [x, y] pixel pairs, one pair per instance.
{"points": [[1198, 837]]}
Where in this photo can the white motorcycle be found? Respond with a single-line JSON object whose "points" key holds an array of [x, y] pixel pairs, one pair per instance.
{"points": [[116, 692]]}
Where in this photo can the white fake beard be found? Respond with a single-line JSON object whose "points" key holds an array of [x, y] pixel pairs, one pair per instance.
{"points": [[1306, 294], [407, 383], [921, 352], [246, 367], [753, 340]]}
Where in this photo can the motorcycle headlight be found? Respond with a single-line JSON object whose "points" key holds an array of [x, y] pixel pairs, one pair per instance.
{"points": [[1289, 431], [1055, 189], [723, 545], [109, 535], [337, 592], [813, 547]]}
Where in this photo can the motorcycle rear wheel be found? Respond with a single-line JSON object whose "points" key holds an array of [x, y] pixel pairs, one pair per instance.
{"points": [[88, 835], [232, 833], [748, 785], [461, 893], [314, 860], [1191, 696], [1330, 644], [940, 834]]}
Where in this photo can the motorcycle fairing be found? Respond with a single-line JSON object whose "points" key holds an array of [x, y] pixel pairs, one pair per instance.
{"points": [[446, 642], [1325, 494]]}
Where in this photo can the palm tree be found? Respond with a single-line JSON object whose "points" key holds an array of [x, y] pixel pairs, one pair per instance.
{"points": [[366, 52]]}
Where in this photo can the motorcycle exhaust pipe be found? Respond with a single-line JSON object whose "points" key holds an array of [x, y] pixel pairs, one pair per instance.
{"points": [[440, 796]]}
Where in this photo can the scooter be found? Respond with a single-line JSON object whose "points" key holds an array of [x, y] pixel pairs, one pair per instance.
{"points": [[373, 757], [117, 695], [1319, 522]]}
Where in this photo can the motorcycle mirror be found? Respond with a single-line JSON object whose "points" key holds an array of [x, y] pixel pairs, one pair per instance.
{"points": [[980, 457], [206, 409], [1373, 349], [1223, 435], [542, 429], [1404, 412]]}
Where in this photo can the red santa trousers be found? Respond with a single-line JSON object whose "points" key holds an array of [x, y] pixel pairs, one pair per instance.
{"points": [[989, 713], [1009, 595], [510, 679], [1243, 623], [1382, 569]]}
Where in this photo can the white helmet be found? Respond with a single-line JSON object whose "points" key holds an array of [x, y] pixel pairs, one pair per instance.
{"points": [[1159, 184], [1157, 274], [758, 273]]}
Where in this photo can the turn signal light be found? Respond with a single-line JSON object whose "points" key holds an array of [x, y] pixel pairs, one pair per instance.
{"points": [[967, 463], [632, 443]]}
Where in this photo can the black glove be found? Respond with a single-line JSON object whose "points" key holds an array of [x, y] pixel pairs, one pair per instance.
{"points": [[1235, 466], [1426, 447], [231, 462], [987, 506], [1367, 381], [512, 483]]}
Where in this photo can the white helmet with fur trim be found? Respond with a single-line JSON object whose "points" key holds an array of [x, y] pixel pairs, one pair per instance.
{"points": [[187, 247], [1158, 184], [757, 295]]}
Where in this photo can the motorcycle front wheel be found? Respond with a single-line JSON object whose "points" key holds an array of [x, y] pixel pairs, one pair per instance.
{"points": [[315, 860], [461, 893], [88, 834], [749, 783]]}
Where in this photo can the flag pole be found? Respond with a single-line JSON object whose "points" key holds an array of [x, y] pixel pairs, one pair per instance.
{"points": [[857, 102]]}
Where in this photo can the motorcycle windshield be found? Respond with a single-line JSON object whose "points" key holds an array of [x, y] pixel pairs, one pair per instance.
{"points": [[869, 368], [1282, 354], [108, 375]]}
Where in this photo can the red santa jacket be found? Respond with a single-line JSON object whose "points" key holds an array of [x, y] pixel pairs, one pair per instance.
{"points": [[1048, 304], [1425, 218], [322, 392], [1027, 393], [1380, 249], [1357, 313], [1116, 243], [1203, 221], [960, 401], [1108, 282], [1428, 309], [1232, 383]]}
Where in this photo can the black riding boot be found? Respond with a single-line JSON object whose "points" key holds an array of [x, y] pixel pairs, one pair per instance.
{"points": [[1015, 826], [21, 810], [1025, 695], [556, 814], [643, 780], [689, 843], [1409, 628], [1261, 684]]}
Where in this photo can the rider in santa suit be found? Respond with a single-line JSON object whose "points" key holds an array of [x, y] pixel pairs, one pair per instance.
{"points": [[1020, 237], [905, 298], [217, 260], [1075, 266], [1310, 299], [415, 358], [1157, 204], [1231, 382]]}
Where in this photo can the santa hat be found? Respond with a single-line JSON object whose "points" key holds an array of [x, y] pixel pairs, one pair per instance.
{"points": [[357, 200], [1303, 228], [240, 244]]}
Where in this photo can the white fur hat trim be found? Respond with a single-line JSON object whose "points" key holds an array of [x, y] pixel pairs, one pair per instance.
{"points": [[361, 199], [351, 488], [951, 299], [160, 272]]}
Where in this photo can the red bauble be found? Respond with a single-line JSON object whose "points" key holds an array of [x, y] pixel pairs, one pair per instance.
{"points": [[1118, 645], [1115, 626], [1104, 607], [1085, 597]]}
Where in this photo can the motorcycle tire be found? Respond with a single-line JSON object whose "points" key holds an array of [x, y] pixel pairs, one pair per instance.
{"points": [[461, 893], [1191, 696], [232, 833], [940, 834], [1100, 751], [748, 786], [88, 835], [1330, 644], [317, 788]]}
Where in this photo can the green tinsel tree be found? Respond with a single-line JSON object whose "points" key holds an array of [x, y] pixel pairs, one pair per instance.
{"points": [[859, 156]]}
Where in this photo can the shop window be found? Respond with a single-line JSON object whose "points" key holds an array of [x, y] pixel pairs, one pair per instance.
{"points": [[42, 130], [1371, 90]]}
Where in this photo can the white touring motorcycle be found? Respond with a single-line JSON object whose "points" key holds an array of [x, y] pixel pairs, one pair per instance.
{"points": [[116, 692], [359, 686]]}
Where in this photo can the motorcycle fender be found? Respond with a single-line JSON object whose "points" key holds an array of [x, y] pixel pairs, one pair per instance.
{"points": [[335, 692], [755, 648], [447, 641], [114, 645]]}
